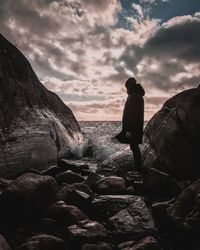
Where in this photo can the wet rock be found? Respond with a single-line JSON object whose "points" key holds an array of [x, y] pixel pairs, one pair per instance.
{"points": [[52, 171], [168, 186], [117, 164], [76, 167], [185, 211], [87, 230], [65, 190], [106, 206], [148, 243], [43, 242], [110, 185], [69, 177], [99, 246], [171, 142], [75, 197], [135, 219], [37, 128], [4, 244], [92, 179], [65, 214], [83, 188], [4, 183], [48, 226], [29, 195]]}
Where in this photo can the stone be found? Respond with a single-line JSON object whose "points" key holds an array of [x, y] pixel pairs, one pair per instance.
{"points": [[185, 211], [105, 206], [69, 177], [99, 246], [171, 138], [168, 186], [52, 171], [63, 192], [148, 243], [117, 164], [27, 197], [36, 127], [133, 220], [64, 214], [76, 167], [4, 244], [43, 242], [92, 179], [87, 230], [111, 185]]}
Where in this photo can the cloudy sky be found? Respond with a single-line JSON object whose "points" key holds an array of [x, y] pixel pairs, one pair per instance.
{"points": [[85, 50]]}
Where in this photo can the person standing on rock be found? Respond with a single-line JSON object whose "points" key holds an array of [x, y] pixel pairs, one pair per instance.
{"points": [[133, 120]]}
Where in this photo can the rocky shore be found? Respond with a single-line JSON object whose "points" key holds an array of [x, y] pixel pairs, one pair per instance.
{"points": [[48, 201]]}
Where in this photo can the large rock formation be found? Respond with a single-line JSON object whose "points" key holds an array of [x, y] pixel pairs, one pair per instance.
{"points": [[172, 137], [36, 127]]}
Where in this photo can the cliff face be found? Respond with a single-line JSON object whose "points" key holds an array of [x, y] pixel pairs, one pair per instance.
{"points": [[172, 137], [36, 127]]}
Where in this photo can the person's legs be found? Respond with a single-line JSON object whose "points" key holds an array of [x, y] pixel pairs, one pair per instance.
{"points": [[137, 156]]}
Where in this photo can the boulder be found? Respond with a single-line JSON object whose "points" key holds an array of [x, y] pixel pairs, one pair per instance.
{"points": [[52, 171], [87, 230], [43, 242], [106, 206], [4, 244], [117, 164], [99, 246], [185, 211], [76, 167], [26, 197], [65, 190], [111, 185], [133, 220], [36, 127], [148, 243], [171, 137], [64, 214], [69, 177]]}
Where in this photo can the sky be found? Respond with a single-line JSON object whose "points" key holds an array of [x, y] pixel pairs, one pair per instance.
{"points": [[85, 50]]}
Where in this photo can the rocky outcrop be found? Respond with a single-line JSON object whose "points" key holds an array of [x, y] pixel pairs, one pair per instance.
{"points": [[171, 142], [36, 127]]}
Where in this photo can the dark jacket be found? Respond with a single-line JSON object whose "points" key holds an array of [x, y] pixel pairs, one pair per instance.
{"points": [[133, 117]]}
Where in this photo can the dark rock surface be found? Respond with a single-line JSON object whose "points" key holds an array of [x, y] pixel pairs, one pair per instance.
{"points": [[36, 127], [111, 185], [148, 243], [4, 244], [106, 206], [171, 142], [65, 214], [69, 177], [117, 164], [135, 219], [87, 230], [185, 211], [27, 197], [99, 246], [43, 242]]}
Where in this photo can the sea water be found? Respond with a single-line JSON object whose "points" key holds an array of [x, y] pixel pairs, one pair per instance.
{"points": [[100, 140]]}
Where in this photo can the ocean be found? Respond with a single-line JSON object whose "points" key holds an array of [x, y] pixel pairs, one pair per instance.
{"points": [[99, 138]]}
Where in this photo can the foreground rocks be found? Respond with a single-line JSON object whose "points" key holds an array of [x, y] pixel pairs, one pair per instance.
{"points": [[26, 197], [36, 127]]}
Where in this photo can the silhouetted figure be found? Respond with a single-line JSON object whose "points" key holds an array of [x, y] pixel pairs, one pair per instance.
{"points": [[133, 120]]}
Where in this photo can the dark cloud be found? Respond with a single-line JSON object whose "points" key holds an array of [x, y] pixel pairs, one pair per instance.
{"points": [[174, 46]]}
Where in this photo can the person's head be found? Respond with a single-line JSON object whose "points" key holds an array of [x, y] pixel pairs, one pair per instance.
{"points": [[134, 87]]}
